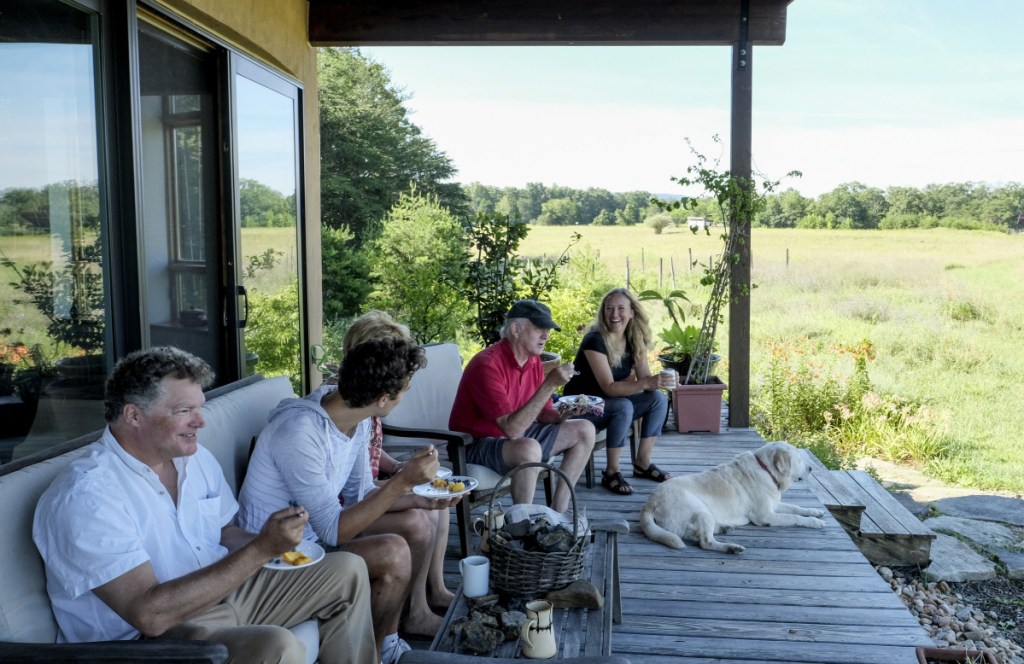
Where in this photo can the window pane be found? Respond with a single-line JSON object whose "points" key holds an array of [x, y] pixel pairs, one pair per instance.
{"points": [[181, 225], [267, 154], [53, 323]]}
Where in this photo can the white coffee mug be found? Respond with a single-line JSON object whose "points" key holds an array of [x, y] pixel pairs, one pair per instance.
{"points": [[476, 573]]}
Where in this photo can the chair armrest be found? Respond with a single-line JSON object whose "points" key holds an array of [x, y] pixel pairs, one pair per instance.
{"points": [[455, 442], [434, 434], [115, 652]]}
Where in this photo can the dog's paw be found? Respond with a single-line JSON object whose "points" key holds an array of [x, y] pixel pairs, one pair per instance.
{"points": [[815, 523], [734, 548], [817, 513]]}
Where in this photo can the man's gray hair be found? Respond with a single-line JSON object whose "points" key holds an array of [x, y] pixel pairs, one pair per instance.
{"points": [[137, 378], [506, 327]]}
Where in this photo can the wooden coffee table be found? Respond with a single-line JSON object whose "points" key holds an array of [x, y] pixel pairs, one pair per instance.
{"points": [[580, 632]]}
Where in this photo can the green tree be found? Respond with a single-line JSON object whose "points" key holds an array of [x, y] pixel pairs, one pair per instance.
{"points": [[592, 202], [420, 267], [370, 150], [559, 212], [261, 206], [346, 274]]}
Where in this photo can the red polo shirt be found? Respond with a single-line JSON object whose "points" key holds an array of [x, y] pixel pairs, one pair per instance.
{"points": [[493, 385]]}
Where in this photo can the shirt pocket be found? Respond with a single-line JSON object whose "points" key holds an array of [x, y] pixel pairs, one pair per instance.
{"points": [[209, 517]]}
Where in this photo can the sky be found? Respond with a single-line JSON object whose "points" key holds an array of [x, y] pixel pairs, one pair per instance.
{"points": [[881, 92]]}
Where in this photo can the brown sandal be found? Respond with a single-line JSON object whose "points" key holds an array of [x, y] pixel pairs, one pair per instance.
{"points": [[616, 483], [652, 472]]}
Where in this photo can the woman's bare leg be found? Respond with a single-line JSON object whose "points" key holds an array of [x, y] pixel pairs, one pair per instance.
{"points": [[438, 594]]}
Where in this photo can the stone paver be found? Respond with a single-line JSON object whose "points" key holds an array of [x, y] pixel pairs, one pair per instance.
{"points": [[985, 533], [952, 560]]}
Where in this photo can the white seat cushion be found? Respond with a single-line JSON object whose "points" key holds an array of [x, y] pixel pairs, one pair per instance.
{"points": [[309, 633]]}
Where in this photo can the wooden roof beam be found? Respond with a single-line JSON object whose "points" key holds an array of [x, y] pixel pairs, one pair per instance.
{"points": [[538, 22]]}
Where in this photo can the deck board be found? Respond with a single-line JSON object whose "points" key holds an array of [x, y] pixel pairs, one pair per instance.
{"points": [[795, 594]]}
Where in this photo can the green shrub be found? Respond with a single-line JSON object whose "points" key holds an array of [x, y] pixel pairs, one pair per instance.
{"points": [[812, 403], [420, 267], [273, 333]]}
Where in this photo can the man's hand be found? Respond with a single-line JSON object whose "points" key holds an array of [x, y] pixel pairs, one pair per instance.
{"points": [[420, 468], [283, 531], [560, 375]]}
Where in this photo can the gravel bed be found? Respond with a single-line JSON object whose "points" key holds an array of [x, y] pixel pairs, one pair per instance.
{"points": [[972, 615]]}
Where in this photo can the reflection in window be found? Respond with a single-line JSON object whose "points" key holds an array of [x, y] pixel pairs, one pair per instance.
{"points": [[53, 325], [188, 259], [268, 176]]}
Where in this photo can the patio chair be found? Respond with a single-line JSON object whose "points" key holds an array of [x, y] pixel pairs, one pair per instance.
{"points": [[421, 418]]}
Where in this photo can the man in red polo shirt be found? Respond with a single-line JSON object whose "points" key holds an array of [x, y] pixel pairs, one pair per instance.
{"points": [[504, 402]]}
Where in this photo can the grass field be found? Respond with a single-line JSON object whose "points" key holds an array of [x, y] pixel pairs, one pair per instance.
{"points": [[943, 309]]}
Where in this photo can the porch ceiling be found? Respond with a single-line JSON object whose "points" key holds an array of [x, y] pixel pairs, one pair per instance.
{"points": [[539, 22]]}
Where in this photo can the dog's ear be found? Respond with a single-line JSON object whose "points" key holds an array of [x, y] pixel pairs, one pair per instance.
{"points": [[782, 461]]}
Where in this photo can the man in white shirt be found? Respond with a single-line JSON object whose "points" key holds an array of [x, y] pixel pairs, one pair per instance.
{"points": [[137, 538]]}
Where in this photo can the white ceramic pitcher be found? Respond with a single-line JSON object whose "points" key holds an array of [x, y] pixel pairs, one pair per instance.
{"points": [[537, 635]]}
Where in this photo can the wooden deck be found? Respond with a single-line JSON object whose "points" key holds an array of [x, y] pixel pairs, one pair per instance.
{"points": [[794, 595]]}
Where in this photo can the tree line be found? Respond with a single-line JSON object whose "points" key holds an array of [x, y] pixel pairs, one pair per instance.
{"points": [[853, 205]]}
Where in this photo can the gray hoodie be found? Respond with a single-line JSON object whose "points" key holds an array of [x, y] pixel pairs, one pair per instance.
{"points": [[302, 456]]}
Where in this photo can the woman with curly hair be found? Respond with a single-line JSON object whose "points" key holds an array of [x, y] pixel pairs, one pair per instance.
{"points": [[612, 364]]}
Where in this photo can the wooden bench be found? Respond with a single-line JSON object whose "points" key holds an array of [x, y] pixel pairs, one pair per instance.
{"points": [[580, 632], [884, 530]]}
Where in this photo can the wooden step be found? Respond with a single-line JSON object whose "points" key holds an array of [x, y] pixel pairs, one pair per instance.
{"points": [[884, 530]]}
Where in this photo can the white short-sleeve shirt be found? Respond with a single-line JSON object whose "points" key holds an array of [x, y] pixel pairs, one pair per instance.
{"points": [[107, 514]]}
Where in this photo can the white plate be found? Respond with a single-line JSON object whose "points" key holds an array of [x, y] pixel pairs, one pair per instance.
{"points": [[311, 549], [431, 491], [578, 400]]}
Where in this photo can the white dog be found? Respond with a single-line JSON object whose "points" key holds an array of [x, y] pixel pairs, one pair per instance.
{"points": [[747, 489]]}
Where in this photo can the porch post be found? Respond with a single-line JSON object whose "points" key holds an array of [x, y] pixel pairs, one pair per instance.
{"points": [[740, 159]]}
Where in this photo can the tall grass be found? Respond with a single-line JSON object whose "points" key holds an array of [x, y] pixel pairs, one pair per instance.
{"points": [[942, 311]]}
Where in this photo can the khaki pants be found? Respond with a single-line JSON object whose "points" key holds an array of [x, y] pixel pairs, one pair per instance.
{"points": [[253, 620]]}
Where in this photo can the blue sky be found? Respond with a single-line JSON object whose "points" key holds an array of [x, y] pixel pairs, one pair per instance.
{"points": [[886, 93]]}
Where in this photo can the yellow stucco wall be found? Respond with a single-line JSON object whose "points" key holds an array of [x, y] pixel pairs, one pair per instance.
{"points": [[274, 33]]}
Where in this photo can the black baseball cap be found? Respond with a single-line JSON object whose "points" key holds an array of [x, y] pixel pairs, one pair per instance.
{"points": [[535, 312]]}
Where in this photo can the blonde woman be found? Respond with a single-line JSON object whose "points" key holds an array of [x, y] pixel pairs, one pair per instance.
{"points": [[612, 364], [429, 589]]}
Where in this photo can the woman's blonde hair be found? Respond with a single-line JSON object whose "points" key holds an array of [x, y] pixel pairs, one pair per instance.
{"points": [[373, 325], [637, 333]]}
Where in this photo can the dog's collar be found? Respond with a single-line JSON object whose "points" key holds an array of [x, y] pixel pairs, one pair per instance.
{"points": [[765, 468]]}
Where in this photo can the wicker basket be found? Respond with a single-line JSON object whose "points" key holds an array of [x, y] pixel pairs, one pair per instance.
{"points": [[522, 574]]}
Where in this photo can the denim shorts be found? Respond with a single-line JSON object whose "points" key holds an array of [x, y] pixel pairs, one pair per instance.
{"points": [[487, 451]]}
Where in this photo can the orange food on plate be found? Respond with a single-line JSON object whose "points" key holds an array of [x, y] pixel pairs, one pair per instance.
{"points": [[296, 558]]}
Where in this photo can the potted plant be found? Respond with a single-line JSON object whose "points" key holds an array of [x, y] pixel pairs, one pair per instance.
{"points": [[738, 201], [933, 655], [22, 374]]}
